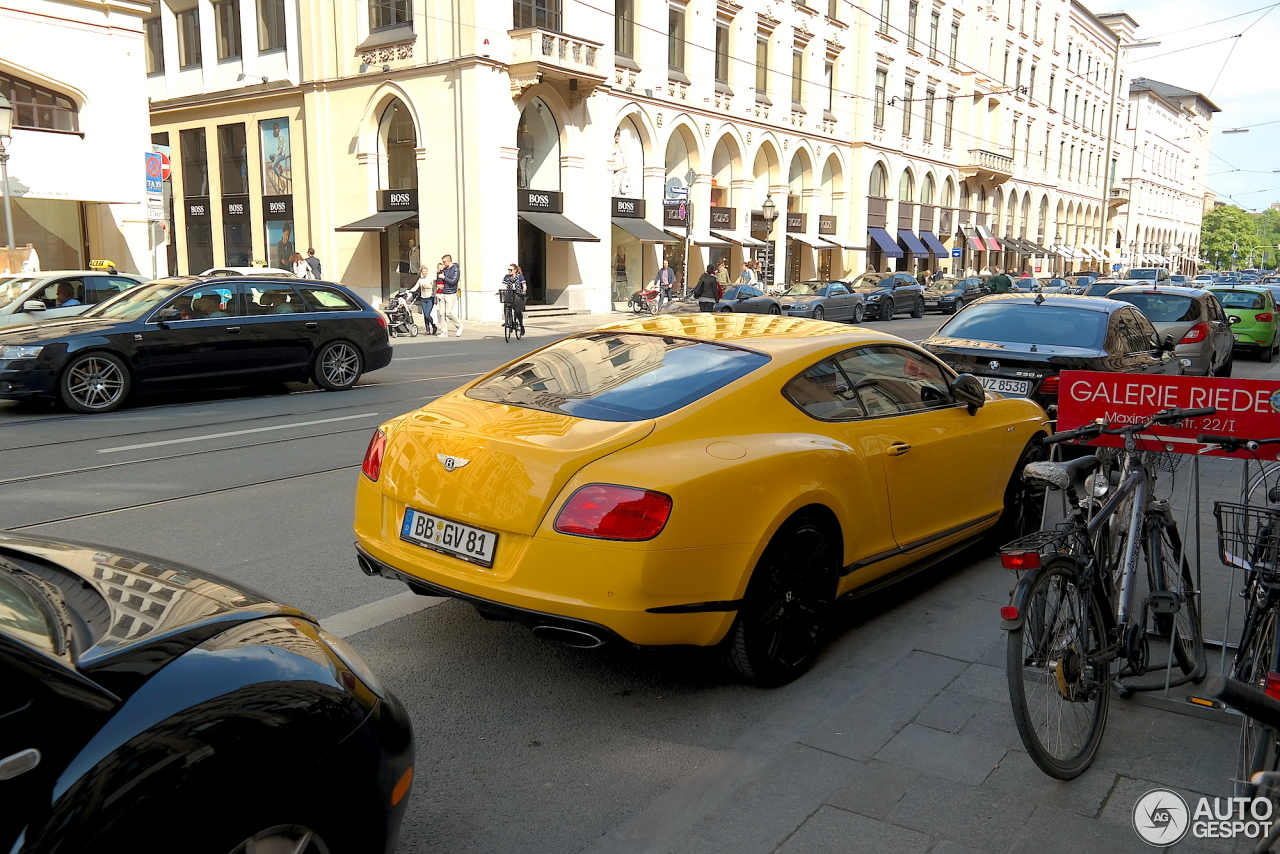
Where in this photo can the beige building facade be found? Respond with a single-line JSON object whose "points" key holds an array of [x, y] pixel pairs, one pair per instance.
{"points": [[77, 179]]}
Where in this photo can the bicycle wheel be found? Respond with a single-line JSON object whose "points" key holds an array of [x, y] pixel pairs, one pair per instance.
{"points": [[1168, 570], [1258, 746], [519, 320], [1059, 707], [508, 323]]}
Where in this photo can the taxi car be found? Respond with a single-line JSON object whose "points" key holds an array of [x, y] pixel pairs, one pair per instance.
{"points": [[27, 298], [582, 489]]}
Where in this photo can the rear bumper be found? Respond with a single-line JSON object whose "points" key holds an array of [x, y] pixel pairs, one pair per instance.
{"points": [[377, 356], [1250, 341]]}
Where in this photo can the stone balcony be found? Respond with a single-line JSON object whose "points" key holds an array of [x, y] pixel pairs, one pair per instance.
{"points": [[988, 166], [538, 54], [1118, 196]]}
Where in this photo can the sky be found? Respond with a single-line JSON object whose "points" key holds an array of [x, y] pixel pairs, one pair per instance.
{"points": [[1198, 51]]}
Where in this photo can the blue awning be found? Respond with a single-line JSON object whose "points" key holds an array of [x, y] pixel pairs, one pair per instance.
{"points": [[913, 244], [885, 241], [935, 245]]}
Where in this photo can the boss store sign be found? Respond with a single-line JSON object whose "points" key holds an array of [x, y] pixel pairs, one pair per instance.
{"points": [[277, 207], [631, 208], [235, 208], [198, 208], [397, 200], [545, 201]]}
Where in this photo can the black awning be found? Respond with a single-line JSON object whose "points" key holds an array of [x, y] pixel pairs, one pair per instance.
{"points": [[935, 245], [642, 229], [380, 221], [885, 241], [1015, 244], [907, 237], [557, 226]]}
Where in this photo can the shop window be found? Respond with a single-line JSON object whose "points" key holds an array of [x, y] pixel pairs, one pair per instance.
{"points": [[390, 13], [188, 38], [234, 160], [277, 156], [626, 161], [543, 14], [154, 45], [271, 30], [538, 141], [195, 164], [226, 16], [37, 108]]}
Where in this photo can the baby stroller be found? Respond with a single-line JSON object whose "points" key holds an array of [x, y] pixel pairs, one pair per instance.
{"points": [[400, 316]]}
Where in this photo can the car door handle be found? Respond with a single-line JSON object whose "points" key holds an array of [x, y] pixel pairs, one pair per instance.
{"points": [[234, 330], [311, 324], [897, 449]]}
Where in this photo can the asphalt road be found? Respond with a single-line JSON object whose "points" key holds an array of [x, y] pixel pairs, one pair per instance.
{"points": [[523, 746]]}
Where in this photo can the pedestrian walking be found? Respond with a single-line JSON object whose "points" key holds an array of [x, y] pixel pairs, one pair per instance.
{"points": [[664, 281], [424, 290], [746, 277], [300, 267], [447, 278], [314, 263], [707, 293], [722, 276]]}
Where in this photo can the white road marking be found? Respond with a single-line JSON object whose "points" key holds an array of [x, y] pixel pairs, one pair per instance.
{"points": [[235, 433], [432, 356], [374, 614]]}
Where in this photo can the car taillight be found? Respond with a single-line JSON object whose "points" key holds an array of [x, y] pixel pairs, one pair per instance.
{"points": [[1050, 385], [382, 321], [1020, 560], [1199, 332], [1263, 317], [372, 467], [614, 513]]}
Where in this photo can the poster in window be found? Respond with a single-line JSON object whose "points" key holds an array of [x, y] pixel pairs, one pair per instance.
{"points": [[280, 243], [277, 160]]}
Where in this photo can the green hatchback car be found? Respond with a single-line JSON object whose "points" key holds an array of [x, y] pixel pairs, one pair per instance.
{"points": [[1256, 328]]}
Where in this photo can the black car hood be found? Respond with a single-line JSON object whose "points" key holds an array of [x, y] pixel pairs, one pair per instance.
{"points": [[58, 330], [158, 609], [1042, 352]]}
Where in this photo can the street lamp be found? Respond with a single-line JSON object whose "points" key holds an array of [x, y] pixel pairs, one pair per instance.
{"points": [[770, 211], [6, 126]]}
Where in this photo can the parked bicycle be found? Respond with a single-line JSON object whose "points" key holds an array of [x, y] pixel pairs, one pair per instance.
{"points": [[1249, 539], [1075, 610], [512, 313], [1261, 708]]}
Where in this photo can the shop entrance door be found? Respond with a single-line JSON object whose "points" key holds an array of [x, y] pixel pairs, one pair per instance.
{"points": [[532, 252]]}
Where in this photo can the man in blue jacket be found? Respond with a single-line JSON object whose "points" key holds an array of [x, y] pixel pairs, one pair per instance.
{"points": [[447, 278]]}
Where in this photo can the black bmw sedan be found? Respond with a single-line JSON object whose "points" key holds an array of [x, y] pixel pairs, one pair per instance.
{"points": [[949, 295], [1017, 344], [145, 699], [188, 331]]}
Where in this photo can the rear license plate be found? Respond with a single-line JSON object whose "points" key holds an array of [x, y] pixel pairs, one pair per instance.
{"points": [[1000, 385], [452, 538]]}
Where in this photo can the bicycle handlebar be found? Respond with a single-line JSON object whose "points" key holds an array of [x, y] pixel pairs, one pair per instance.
{"points": [[1248, 699], [1093, 431], [1231, 444]]}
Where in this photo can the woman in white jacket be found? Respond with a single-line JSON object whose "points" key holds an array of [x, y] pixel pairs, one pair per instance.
{"points": [[301, 268]]}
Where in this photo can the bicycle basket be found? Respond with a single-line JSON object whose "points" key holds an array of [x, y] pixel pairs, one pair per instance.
{"points": [[1165, 461], [507, 297], [1249, 537]]}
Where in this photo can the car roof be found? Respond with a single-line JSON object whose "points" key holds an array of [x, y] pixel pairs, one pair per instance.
{"points": [[1103, 304], [50, 274], [1253, 289], [1181, 290]]}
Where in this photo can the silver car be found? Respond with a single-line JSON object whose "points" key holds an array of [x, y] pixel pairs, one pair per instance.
{"points": [[1193, 318], [31, 297]]}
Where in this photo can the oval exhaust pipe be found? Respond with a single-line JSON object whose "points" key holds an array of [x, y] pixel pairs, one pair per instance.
{"points": [[568, 637], [366, 565]]}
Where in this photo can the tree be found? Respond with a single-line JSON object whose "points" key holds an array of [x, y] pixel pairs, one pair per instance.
{"points": [[1267, 227], [1223, 228]]}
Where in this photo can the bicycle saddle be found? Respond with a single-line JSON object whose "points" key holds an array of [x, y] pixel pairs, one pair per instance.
{"points": [[1060, 475]]}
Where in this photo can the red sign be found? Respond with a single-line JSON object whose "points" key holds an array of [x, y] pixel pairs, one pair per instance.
{"points": [[1249, 409], [165, 169]]}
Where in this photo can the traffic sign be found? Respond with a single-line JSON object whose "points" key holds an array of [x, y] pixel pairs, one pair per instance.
{"points": [[155, 169], [957, 252], [155, 207], [677, 193], [165, 169]]}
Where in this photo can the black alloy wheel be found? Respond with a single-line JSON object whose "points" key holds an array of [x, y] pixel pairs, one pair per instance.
{"points": [[94, 382], [788, 601], [773, 309], [886, 309], [859, 312], [283, 839], [819, 313], [918, 311], [338, 366], [954, 307], [726, 310]]}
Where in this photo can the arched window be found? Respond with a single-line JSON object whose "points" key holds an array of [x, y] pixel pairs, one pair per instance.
{"points": [[949, 194], [538, 139], [38, 108], [927, 190], [906, 186], [966, 201], [397, 139], [879, 186]]}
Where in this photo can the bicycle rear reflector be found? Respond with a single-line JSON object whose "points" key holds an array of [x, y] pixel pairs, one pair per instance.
{"points": [[1020, 560], [1272, 685], [1008, 612]]}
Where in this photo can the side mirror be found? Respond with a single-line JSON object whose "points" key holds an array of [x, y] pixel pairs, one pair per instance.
{"points": [[742, 296], [1233, 320], [33, 305], [1167, 345], [165, 314], [967, 389]]}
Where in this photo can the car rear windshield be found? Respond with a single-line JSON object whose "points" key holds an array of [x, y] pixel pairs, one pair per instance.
{"points": [[1028, 323], [618, 376], [1240, 299], [1138, 273], [1101, 289], [12, 288], [1163, 308]]}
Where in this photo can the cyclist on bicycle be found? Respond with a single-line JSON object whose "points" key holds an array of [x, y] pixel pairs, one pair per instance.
{"points": [[514, 281]]}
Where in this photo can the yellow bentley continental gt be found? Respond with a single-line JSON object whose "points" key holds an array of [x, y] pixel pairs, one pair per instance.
{"points": [[708, 479]]}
